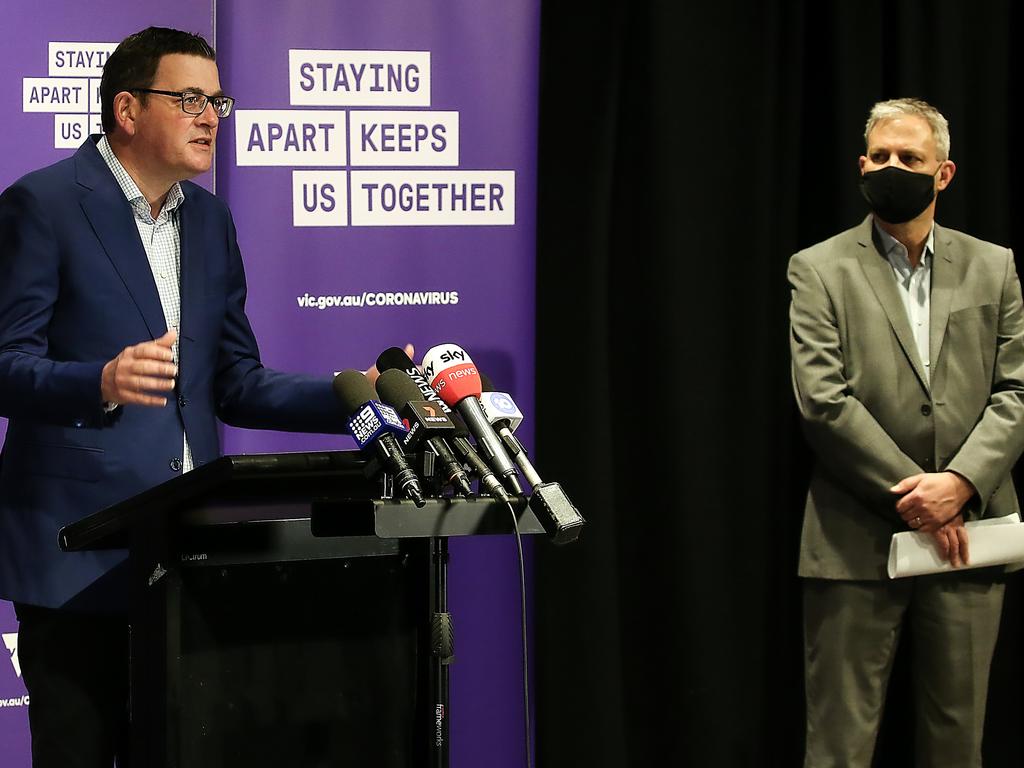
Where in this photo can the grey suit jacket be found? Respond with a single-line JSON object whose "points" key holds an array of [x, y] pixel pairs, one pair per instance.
{"points": [[870, 415]]}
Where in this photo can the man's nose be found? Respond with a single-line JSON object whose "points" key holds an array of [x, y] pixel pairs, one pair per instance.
{"points": [[208, 116]]}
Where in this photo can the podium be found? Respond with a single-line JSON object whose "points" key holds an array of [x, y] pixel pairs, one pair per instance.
{"points": [[286, 611]]}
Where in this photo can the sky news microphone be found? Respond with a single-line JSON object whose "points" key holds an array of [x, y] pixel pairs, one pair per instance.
{"points": [[453, 375], [374, 426], [395, 358], [428, 425]]}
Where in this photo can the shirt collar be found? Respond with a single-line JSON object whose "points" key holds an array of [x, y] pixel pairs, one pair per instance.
{"points": [[175, 196], [896, 252]]}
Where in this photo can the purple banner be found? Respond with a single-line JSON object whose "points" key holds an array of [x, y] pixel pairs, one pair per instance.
{"points": [[51, 62], [381, 166]]}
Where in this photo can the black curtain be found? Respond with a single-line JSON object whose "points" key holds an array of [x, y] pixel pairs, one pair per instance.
{"points": [[687, 150]]}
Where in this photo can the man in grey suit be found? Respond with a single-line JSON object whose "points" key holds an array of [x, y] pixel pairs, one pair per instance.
{"points": [[908, 367]]}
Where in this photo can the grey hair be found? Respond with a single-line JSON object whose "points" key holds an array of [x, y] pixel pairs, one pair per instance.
{"points": [[894, 108]]}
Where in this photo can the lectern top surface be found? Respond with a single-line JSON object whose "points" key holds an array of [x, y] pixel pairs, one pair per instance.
{"points": [[229, 479]]}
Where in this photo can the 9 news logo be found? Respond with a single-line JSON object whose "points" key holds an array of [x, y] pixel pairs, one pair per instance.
{"points": [[372, 419]]}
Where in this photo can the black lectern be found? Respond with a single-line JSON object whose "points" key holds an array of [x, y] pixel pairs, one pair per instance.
{"points": [[288, 613]]}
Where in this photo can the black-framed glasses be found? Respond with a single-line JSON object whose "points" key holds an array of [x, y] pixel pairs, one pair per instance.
{"points": [[194, 102]]}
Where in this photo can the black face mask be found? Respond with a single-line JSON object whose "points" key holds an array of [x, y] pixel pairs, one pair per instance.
{"points": [[897, 196]]}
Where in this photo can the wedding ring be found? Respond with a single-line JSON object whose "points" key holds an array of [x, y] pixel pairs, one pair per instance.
{"points": [[917, 522]]}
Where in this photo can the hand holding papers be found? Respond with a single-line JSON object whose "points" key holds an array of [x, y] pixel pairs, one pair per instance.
{"points": [[995, 541]]}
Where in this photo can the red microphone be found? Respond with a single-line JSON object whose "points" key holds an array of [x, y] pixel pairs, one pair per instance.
{"points": [[453, 375]]}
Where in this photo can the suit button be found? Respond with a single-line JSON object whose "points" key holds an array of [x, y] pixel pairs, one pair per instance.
{"points": [[182, 401], [175, 465], [926, 410]]}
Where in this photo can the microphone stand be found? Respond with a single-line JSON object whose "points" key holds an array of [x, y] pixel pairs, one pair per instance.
{"points": [[442, 631], [442, 648]]}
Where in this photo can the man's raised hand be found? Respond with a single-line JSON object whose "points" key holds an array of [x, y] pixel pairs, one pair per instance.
{"points": [[141, 373]]}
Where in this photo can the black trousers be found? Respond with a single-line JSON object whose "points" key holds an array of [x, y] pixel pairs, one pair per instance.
{"points": [[75, 667]]}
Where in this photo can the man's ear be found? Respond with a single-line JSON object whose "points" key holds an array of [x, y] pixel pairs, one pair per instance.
{"points": [[946, 174], [126, 109]]}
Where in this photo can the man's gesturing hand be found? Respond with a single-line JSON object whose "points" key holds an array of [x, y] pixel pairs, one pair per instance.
{"points": [[140, 372], [931, 499]]}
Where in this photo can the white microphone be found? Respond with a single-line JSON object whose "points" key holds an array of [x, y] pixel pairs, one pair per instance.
{"points": [[504, 416], [548, 501]]}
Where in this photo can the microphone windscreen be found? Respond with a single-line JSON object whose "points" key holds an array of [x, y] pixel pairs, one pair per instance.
{"points": [[353, 390], [457, 383], [486, 385], [451, 372], [395, 388], [394, 358]]}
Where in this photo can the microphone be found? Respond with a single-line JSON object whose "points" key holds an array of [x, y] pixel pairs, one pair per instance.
{"points": [[427, 424], [396, 359], [549, 502], [454, 377], [374, 426], [504, 416]]}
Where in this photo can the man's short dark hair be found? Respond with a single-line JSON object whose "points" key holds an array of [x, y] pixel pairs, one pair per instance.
{"points": [[134, 62]]}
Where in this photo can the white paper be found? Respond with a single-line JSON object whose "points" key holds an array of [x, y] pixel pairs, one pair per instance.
{"points": [[994, 541]]}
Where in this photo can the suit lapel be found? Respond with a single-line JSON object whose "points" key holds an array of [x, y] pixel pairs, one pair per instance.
{"points": [[191, 222], [947, 273], [112, 220], [879, 275]]}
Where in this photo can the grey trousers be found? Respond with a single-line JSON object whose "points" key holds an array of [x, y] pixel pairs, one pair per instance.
{"points": [[851, 631]]}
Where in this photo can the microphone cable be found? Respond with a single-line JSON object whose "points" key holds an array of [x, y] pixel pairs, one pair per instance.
{"points": [[526, 641]]}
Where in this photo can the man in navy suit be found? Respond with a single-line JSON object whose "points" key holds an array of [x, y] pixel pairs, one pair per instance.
{"points": [[123, 338]]}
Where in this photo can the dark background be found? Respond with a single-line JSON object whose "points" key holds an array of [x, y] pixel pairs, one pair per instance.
{"points": [[687, 150]]}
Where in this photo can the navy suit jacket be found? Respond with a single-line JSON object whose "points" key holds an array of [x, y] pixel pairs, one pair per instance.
{"points": [[75, 289]]}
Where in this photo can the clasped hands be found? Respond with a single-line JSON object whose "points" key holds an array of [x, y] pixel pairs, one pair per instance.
{"points": [[931, 502]]}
